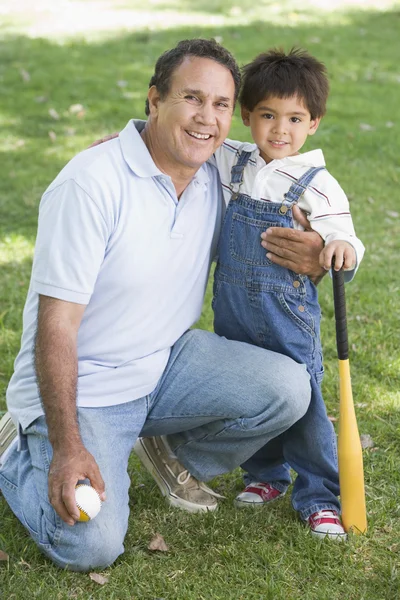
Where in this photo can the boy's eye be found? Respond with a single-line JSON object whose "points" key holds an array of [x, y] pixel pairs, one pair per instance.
{"points": [[267, 116], [295, 120]]}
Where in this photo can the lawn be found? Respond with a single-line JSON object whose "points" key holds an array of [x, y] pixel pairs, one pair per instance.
{"points": [[70, 75]]}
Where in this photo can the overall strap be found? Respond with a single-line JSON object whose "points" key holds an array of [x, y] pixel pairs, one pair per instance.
{"points": [[298, 188], [237, 172]]}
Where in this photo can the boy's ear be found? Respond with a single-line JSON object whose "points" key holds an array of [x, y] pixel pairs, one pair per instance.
{"points": [[245, 116], [153, 98], [314, 125]]}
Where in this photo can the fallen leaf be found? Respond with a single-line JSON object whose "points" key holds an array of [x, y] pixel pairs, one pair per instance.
{"points": [[366, 441], [361, 404], [41, 99], [158, 543], [3, 556], [370, 200], [393, 214], [314, 40], [75, 108], [332, 419], [70, 131], [97, 578], [19, 144], [389, 124], [81, 114], [52, 136], [122, 83], [54, 114], [25, 75], [366, 127]]}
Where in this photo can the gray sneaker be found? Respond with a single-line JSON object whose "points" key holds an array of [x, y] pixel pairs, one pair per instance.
{"points": [[8, 433], [180, 488]]}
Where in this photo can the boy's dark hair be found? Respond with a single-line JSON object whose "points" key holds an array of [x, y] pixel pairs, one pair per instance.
{"points": [[172, 59], [296, 73]]}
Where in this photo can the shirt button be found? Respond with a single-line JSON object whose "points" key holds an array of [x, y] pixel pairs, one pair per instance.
{"points": [[301, 308], [296, 284]]}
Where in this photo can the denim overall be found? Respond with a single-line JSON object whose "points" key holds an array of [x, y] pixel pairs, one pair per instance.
{"points": [[258, 302]]}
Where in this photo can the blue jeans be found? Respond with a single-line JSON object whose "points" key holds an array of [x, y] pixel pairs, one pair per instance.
{"points": [[258, 302], [218, 401]]}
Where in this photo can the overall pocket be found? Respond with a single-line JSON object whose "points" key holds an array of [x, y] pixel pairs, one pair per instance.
{"points": [[245, 240]]}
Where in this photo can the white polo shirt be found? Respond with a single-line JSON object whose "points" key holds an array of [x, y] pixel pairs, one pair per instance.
{"points": [[113, 236]]}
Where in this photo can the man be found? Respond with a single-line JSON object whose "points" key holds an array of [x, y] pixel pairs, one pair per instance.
{"points": [[126, 235]]}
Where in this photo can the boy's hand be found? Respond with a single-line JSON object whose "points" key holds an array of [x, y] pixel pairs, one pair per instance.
{"points": [[343, 252]]}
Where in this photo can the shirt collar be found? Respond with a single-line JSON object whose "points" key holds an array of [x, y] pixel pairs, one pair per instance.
{"points": [[313, 158], [139, 159]]}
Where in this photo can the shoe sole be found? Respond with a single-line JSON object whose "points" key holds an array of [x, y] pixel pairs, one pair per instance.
{"points": [[172, 499], [255, 505], [337, 537]]}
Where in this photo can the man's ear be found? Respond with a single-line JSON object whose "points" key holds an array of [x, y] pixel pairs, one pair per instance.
{"points": [[245, 116], [153, 97], [314, 125]]}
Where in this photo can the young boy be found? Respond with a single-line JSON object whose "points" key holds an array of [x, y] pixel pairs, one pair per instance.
{"points": [[283, 99]]}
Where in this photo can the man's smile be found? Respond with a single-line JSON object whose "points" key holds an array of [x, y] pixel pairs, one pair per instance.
{"points": [[199, 136]]}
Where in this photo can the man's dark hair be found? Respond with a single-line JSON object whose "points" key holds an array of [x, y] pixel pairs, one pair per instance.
{"points": [[296, 73], [170, 60]]}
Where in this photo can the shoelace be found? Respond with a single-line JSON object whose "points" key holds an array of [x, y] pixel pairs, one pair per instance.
{"points": [[183, 478]]}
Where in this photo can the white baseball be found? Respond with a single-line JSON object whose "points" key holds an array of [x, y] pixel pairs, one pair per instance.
{"points": [[88, 501]]}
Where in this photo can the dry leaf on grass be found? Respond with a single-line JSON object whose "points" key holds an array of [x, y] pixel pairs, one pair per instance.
{"points": [[75, 108], [54, 114], [158, 543], [366, 127], [52, 136], [332, 419], [25, 75], [366, 441], [97, 578], [3, 556]]}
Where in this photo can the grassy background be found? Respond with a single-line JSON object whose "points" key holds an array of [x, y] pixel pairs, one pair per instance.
{"points": [[100, 55]]}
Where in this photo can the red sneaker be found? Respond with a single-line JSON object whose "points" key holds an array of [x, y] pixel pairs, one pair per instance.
{"points": [[257, 494], [327, 523]]}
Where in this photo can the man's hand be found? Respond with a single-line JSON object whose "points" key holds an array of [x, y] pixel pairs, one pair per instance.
{"points": [[106, 138], [343, 253], [296, 250], [66, 469]]}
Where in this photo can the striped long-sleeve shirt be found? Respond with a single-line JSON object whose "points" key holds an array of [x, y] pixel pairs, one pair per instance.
{"points": [[324, 202]]}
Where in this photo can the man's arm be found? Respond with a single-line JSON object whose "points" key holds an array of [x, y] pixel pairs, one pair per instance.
{"points": [[57, 372], [296, 250]]}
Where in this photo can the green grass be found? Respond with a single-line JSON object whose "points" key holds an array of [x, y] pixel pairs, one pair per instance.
{"points": [[229, 555]]}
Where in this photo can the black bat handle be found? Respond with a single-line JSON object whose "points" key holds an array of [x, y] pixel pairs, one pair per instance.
{"points": [[339, 299]]}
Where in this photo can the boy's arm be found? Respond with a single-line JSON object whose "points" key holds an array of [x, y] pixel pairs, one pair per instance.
{"points": [[328, 212]]}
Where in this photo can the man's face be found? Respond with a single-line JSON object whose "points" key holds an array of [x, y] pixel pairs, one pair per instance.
{"points": [[193, 120]]}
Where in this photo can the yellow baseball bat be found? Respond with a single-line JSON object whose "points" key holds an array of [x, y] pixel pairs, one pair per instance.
{"points": [[351, 471]]}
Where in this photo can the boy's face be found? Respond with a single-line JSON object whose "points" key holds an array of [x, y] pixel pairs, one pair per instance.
{"points": [[279, 126]]}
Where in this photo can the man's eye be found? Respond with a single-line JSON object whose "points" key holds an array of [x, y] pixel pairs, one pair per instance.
{"points": [[223, 105], [190, 97]]}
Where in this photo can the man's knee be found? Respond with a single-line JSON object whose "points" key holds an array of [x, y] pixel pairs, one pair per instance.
{"points": [[295, 393], [95, 548]]}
